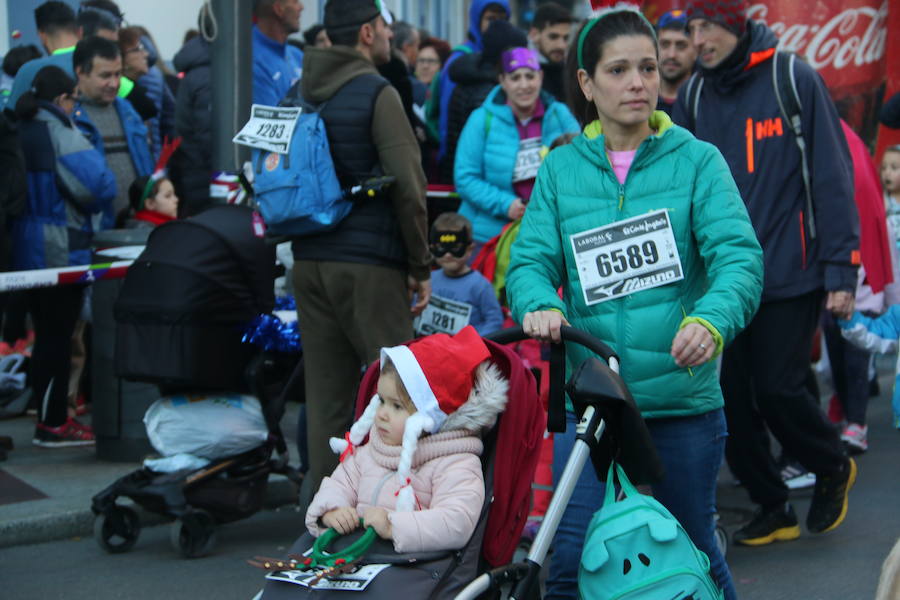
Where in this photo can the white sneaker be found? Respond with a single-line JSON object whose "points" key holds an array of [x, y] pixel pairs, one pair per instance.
{"points": [[856, 438], [796, 477]]}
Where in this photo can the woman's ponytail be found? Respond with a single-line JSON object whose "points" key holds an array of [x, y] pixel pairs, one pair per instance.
{"points": [[26, 106], [49, 83]]}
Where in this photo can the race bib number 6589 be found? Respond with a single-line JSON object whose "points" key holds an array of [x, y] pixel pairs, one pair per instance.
{"points": [[627, 256]]}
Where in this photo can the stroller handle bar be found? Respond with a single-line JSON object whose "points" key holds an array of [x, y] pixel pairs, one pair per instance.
{"points": [[568, 334], [524, 575]]}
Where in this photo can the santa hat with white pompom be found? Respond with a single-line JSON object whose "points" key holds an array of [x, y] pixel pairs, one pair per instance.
{"points": [[453, 386]]}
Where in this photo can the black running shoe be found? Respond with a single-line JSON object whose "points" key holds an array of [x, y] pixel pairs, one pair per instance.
{"points": [[829, 501], [767, 526]]}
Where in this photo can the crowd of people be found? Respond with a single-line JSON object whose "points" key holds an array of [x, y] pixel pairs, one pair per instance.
{"points": [[561, 140]]}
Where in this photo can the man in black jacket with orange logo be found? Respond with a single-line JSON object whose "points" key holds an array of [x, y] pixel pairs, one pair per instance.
{"points": [[810, 244]]}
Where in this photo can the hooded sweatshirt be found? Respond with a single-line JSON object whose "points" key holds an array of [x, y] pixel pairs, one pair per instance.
{"points": [[325, 71], [474, 79], [193, 160], [473, 44], [739, 114]]}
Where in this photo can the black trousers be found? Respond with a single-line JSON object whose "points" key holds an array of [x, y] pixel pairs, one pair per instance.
{"points": [[764, 373], [13, 310], [54, 312]]}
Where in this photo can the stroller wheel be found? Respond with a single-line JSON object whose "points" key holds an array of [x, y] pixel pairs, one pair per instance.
{"points": [[194, 534], [722, 539], [117, 529]]}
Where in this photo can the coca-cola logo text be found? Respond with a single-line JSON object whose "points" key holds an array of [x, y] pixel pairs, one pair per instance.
{"points": [[853, 36]]}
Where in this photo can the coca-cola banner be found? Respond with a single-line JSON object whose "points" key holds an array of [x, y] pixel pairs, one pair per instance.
{"points": [[845, 40]]}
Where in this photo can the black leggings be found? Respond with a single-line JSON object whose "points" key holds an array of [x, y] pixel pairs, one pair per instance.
{"points": [[54, 312]]}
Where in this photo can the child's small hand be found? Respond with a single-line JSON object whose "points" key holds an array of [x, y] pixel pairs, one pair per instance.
{"points": [[377, 518], [343, 519]]}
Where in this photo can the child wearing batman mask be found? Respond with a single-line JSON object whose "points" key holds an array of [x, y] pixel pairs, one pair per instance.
{"points": [[469, 293]]}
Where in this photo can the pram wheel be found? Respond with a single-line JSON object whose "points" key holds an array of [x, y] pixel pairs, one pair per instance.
{"points": [[194, 534], [117, 530]]}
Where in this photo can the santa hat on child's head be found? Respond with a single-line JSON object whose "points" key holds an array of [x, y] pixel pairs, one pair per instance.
{"points": [[452, 386]]}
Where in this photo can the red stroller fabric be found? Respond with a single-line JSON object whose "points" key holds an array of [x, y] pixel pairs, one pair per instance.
{"points": [[516, 453]]}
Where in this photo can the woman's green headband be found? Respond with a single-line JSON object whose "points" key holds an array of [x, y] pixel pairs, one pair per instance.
{"points": [[590, 25]]}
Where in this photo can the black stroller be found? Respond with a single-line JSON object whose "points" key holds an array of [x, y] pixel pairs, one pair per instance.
{"points": [[180, 318], [598, 394]]}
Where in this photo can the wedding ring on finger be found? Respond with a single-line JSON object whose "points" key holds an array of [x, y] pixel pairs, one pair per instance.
{"points": [[703, 347]]}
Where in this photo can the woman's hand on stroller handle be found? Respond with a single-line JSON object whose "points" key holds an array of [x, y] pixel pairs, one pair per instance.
{"points": [[544, 325], [343, 519]]}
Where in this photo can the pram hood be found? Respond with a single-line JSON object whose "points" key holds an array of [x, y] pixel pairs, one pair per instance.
{"points": [[186, 300], [209, 268]]}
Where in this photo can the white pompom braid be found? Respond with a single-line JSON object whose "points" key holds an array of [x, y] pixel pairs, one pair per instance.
{"points": [[358, 431], [415, 425]]}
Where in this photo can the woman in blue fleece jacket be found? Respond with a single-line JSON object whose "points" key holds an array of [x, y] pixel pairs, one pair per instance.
{"points": [[502, 144]]}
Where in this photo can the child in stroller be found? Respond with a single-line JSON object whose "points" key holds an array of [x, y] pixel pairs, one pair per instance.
{"points": [[424, 494], [463, 523], [181, 315]]}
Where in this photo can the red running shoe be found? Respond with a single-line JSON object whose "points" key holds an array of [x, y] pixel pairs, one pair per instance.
{"points": [[70, 433]]}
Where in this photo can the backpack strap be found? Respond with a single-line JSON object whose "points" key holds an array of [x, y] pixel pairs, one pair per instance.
{"points": [[692, 99], [487, 122], [784, 82]]}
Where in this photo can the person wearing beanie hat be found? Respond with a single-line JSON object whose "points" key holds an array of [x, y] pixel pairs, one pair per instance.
{"points": [[794, 172], [482, 13], [474, 76], [418, 481], [504, 142], [353, 284], [730, 14]]}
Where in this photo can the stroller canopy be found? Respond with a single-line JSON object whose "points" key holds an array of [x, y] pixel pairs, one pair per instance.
{"points": [[186, 300]]}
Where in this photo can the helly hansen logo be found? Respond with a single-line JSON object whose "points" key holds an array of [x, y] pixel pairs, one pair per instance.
{"points": [[760, 130], [769, 128]]}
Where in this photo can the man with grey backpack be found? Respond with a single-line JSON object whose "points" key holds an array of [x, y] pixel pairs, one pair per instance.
{"points": [[771, 117], [354, 282]]}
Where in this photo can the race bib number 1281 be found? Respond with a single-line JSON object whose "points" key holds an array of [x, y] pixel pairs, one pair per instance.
{"points": [[627, 256]]}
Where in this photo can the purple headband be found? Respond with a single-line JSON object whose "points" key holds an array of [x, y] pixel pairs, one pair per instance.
{"points": [[519, 58]]}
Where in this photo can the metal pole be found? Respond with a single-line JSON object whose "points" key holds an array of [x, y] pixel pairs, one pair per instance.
{"points": [[231, 81]]}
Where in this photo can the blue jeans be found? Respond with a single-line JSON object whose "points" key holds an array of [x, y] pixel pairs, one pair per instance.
{"points": [[691, 450]]}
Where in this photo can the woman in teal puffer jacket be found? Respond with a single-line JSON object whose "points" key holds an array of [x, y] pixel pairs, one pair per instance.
{"points": [[503, 144], [643, 228]]}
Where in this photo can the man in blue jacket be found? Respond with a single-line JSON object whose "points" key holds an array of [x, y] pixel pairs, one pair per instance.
{"points": [[276, 64], [109, 122], [811, 252], [481, 13]]}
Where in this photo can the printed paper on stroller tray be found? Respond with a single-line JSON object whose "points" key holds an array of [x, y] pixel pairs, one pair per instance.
{"points": [[350, 582]]}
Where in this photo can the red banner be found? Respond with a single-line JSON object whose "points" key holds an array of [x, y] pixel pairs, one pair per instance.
{"points": [[845, 40]]}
